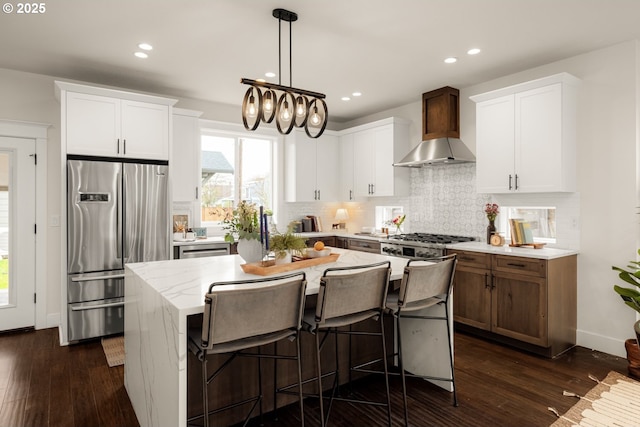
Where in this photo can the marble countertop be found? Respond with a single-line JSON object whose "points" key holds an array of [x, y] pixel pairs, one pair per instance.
{"points": [[184, 282], [526, 252]]}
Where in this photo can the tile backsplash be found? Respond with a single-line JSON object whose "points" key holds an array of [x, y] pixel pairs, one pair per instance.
{"points": [[443, 199]]}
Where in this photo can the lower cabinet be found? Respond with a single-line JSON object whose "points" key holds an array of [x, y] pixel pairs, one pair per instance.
{"points": [[527, 302]]}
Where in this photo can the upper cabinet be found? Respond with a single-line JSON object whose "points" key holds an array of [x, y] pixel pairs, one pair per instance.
{"points": [[526, 137], [346, 186], [376, 146], [185, 158], [311, 167], [112, 123]]}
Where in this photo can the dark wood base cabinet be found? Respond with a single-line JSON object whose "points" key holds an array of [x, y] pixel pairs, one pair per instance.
{"points": [[525, 302]]}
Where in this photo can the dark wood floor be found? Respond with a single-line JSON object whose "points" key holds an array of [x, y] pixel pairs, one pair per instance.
{"points": [[43, 384]]}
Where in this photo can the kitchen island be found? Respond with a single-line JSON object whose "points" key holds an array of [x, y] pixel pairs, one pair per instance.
{"points": [[160, 299]]}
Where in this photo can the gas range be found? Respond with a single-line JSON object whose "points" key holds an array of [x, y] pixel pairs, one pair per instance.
{"points": [[419, 245]]}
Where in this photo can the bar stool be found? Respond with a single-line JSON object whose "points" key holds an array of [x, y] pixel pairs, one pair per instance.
{"points": [[425, 283], [347, 296], [239, 315]]}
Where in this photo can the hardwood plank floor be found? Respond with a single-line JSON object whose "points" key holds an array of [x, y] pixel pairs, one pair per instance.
{"points": [[43, 384]]}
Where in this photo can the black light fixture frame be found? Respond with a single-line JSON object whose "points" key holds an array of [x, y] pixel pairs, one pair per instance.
{"points": [[289, 94]]}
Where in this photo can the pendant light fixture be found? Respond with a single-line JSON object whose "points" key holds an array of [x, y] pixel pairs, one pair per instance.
{"points": [[289, 106]]}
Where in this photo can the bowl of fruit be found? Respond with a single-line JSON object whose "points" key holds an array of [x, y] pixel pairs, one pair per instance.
{"points": [[318, 250]]}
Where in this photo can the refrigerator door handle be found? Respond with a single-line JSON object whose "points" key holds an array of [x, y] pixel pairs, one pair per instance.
{"points": [[119, 219], [97, 306], [92, 278]]}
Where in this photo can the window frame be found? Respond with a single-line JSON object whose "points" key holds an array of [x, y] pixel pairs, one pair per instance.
{"points": [[213, 129]]}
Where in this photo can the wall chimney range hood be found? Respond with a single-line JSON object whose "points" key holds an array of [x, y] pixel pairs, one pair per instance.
{"points": [[441, 144]]}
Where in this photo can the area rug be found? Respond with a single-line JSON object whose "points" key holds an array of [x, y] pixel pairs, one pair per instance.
{"points": [[614, 401], [114, 350]]}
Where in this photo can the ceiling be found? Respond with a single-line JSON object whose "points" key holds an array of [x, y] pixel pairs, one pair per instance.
{"points": [[391, 51]]}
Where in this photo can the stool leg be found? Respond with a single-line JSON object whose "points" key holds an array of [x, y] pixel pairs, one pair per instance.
{"points": [[401, 367], [298, 352], [449, 334], [319, 372], [275, 382], [205, 393], [386, 368]]}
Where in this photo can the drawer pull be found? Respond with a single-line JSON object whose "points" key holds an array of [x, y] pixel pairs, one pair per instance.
{"points": [[516, 265], [467, 258]]}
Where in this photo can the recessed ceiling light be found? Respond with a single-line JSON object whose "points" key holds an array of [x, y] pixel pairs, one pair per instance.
{"points": [[451, 60], [270, 74], [356, 94], [346, 98], [145, 46], [473, 51], [141, 55]]}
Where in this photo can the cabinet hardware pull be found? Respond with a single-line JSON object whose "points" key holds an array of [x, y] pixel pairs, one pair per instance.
{"points": [[515, 265], [466, 258], [373, 188], [516, 181], [118, 146], [318, 194], [510, 186], [493, 278], [196, 193], [350, 194], [486, 281], [124, 146]]}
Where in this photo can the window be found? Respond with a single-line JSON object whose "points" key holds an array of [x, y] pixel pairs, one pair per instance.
{"points": [[234, 168], [541, 219]]}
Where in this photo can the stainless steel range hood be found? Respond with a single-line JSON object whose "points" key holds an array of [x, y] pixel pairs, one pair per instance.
{"points": [[441, 144]]}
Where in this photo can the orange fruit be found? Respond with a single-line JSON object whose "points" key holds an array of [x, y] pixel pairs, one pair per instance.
{"points": [[318, 246]]}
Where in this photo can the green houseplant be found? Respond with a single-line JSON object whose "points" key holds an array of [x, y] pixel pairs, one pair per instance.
{"points": [[631, 297], [244, 224], [285, 244]]}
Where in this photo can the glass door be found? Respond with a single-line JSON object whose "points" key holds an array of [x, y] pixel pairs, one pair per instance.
{"points": [[17, 234]]}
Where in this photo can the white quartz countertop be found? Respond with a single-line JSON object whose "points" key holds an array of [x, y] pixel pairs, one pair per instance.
{"points": [[184, 282], [527, 252]]}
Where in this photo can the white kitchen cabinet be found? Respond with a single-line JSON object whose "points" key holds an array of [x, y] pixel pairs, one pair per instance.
{"points": [[376, 147], [525, 137], [311, 167], [185, 165], [113, 123], [346, 191]]}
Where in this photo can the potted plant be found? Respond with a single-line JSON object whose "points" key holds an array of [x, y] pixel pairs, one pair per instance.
{"points": [[285, 244], [243, 224], [631, 297]]}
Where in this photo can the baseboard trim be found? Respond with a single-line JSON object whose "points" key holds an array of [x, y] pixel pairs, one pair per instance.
{"points": [[601, 343], [53, 320]]}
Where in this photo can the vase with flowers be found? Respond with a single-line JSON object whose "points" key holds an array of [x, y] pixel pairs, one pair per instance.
{"points": [[243, 224], [491, 210], [397, 222]]}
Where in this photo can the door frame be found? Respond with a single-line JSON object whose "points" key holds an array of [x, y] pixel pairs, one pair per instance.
{"points": [[37, 132]]}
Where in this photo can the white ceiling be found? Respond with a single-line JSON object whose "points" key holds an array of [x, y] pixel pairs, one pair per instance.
{"points": [[390, 50]]}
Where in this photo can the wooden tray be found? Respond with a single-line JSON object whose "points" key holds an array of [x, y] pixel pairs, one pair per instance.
{"points": [[259, 269]]}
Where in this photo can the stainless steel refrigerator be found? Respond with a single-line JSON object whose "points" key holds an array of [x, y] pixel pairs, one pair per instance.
{"points": [[117, 213]]}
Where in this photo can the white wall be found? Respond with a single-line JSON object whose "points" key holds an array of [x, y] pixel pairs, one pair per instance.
{"points": [[607, 172]]}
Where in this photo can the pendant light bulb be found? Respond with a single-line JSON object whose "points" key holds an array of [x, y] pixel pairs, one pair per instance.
{"points": [[315, 117], [251, 107], [285, 114], [300, 110], [268, 102]]}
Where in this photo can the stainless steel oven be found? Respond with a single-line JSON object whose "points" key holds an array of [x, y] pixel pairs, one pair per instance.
{"points": [[419, 245]]}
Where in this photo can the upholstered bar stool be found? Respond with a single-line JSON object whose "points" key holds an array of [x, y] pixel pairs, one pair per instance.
{"points": [[241, 315], [425, 283], [347, 296]]}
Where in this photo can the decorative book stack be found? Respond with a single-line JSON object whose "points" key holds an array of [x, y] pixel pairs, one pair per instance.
{"points": [[521, 234]]}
